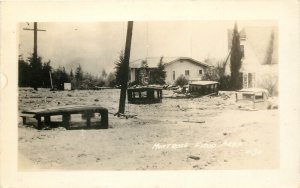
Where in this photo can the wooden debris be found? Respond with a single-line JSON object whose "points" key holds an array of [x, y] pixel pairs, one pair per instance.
{"points": [[194, 157], [191, 121], [124, 115]]}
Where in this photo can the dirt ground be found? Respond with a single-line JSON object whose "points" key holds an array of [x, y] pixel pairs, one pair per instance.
{"points": [[177, 134]]}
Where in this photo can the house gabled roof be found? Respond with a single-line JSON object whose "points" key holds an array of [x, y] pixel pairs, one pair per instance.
{"points": [[152, 62], [258, 38], [189, 59]]}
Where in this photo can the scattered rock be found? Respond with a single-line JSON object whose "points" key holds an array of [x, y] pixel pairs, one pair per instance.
{"points": [[69, 95], [225, 161], [196, 166], [96, 100], [224, 134], [81, 155]]}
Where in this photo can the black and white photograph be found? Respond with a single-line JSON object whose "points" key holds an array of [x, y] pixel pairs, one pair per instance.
{"points": [[151, 94], [180, 95]]}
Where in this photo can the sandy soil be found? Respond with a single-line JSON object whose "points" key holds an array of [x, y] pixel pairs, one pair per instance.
{"points": [[177, 134]]}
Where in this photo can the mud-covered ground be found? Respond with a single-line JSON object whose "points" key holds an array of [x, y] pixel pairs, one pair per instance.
{"points": [[177, 134]]}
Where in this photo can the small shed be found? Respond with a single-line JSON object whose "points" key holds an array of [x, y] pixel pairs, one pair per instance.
{"points": [[144, 95], [67, 86], [204, 87]]}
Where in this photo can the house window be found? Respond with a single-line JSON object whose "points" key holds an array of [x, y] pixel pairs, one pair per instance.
{"points": [[187, 73], [173, 75], [242, 50], [200, 71]]}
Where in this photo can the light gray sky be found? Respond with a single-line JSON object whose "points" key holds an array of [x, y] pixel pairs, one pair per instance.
{"points": [[96, 45]]}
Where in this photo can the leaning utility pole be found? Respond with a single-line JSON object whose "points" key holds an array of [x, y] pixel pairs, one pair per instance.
{"points": [[125, 68]]}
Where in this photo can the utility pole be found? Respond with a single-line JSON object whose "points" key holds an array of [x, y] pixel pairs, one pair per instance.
{"points": [[35, 30], [35, 55], [125, 68]]}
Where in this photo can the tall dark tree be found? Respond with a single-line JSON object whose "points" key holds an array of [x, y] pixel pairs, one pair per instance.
{"points": [[119, 64], [269, 53], [71, 75], [35, 71], [235, 60], [46, 68], [24, 73], [60, 77], [78, 76], [158, 76]]}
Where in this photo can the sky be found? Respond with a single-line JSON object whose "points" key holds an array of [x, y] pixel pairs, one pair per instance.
{"points": [[97, 45]]}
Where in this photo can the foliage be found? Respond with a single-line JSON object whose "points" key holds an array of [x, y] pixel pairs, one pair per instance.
{"points": [[270, 83], [218, 74], [24, 73], [34, 73], [235, 60], [59, 77], [158, 76], [81, 79], [110, 80], [119, 64], [104, 74], [269, 53], [78, 77], [181, 81]]}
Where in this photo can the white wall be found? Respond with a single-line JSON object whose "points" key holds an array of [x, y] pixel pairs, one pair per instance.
{"points": [[180, 67], [132, 74]]}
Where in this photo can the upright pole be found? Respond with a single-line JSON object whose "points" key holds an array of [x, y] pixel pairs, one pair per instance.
{"points": [[125, 68], [35, 42]]}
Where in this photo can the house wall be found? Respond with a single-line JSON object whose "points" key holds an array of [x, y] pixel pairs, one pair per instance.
{"points": [[132, 75], [180, 67]]}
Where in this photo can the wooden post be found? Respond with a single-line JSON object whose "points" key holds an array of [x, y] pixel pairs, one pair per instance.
{"points": [[35, 42], [104, 119], [126, 67], [66, 120], [39, 122]]}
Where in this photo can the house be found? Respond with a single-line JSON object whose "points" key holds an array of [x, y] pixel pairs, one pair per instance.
{"points": [[256, 43], [192, 69]]}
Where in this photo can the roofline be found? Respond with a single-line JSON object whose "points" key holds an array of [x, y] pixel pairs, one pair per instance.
{"points": [[188, 58]]}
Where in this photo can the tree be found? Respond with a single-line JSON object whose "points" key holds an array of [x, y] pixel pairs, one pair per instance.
{"points": [[24, 73], [181, 81], [71, 75], [269, 53], [35, 71], [119, 64], [46, 68], [158, 76], [111, 80], [235, 60], [103, 73], [59, 77], [78, 76]]}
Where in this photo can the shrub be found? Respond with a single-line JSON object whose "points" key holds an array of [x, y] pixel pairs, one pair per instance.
{"points": [[270, 83], [181, 81]]}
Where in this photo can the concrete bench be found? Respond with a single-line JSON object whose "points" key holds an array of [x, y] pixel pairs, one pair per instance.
{"points": [[87, 113]]}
